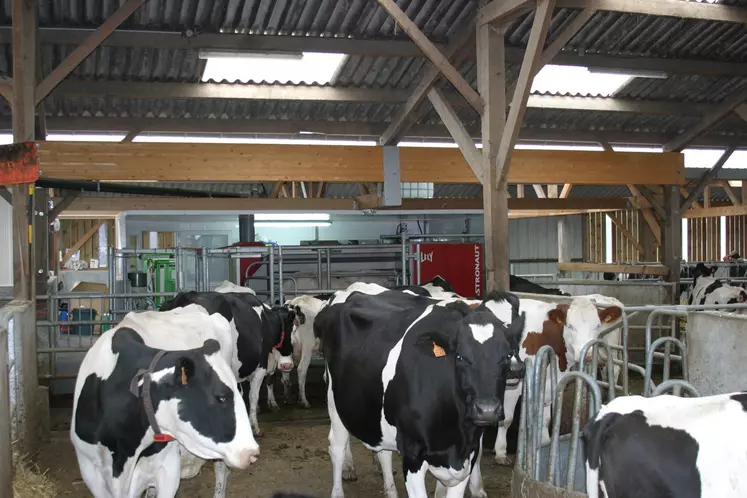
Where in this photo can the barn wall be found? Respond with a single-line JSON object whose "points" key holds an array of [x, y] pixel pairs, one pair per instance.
{"points": [[533, 241], [72, 230]]}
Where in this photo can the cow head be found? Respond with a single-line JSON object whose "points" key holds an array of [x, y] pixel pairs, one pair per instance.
{"points": [[196, 400], [582, 322], [480, 347], [702, 270], [282, 350]]}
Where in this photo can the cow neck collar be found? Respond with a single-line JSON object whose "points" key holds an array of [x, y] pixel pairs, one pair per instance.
{"points": [[145, 375], [282, 338]]}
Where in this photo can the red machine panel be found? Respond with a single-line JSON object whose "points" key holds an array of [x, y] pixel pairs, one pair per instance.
{"points": [[460, 264]]}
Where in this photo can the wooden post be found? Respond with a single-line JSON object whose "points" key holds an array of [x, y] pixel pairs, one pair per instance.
{"points": [[672, 235], [491, 82], [24, 105]]}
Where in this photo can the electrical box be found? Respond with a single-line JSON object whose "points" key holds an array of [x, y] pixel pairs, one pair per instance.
{"points": [[161, 276]]}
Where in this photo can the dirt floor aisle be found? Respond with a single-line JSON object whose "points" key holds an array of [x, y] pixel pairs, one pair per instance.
{"points": [[294, 458]]}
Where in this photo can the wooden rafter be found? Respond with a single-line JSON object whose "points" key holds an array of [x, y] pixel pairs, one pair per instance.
{"points": [[566, 190], [730, 193], [626, 233], [76, 247], [540, 191], [433, 54], [458, 131], [78, 55], [540, 26], [706, 179]]}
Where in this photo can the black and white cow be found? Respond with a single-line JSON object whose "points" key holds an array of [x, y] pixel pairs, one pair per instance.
{"points": [[306, 307], [518, 284], [668, 446], [410, 374], [155, 379], [708, 290], [262, 337]]}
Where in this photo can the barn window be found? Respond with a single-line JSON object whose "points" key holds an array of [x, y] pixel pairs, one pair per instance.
{"points": [[573, 80], [255, 67], [417, 190]]}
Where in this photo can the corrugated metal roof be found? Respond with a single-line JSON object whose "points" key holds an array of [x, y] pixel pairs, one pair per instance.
{"points": [[606, 33]]}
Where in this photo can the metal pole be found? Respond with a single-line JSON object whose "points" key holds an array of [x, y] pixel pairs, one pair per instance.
{"points": [[329, 268], [280, 275], [403, 238], [178, 268], [418, 265], [319, 268], [206, 269], [271, 272]]}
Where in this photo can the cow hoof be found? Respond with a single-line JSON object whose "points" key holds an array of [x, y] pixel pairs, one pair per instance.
{"points": [[349, 475], [504, 460], [305, 404], [273, 407], [480, 494], [258, 432]]}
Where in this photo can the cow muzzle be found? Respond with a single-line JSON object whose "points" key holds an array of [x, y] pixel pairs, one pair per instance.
{"points": [[243, 459], [488, 412], [285, 365]]}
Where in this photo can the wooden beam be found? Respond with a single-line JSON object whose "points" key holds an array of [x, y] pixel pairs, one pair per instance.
{"points": [[660, 271], [652, 200], [434, 54], [669, 8], [741, 111], [130, 136], [566, 190], [540, 26], [107, 205], [76, 247], [552, 191], [273, 163], [686, 194], [175, 40], [62, 205], [78, 55], [626, 233], [707, 196], [653, 224], [24, 15], [540, 191], [717, 211], [730, 193], [520, 191], [458, 132], [6, 88], [495, 11], [706, 179], [718, 113]]}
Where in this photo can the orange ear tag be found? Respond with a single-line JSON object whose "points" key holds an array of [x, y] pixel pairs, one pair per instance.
{"points": [[438, 351]]}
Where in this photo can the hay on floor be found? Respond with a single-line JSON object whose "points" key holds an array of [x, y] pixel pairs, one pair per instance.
{"points": [[29, 481]]}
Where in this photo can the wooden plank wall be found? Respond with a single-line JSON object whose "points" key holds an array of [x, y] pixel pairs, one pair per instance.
{"points": [[736, 234], [166, 240], [623, 249], [704, 240], [594, 238], [72, 230]]}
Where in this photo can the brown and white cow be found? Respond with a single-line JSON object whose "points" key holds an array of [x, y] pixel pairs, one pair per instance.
{"points": [[566, 328]]}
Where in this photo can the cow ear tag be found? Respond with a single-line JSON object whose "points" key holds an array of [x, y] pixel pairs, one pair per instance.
{"points": [[184, 377], [438, 351]]}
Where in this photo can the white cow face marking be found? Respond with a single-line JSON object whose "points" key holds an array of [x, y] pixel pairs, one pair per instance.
{"points": [[582, 322], [482, 332]]}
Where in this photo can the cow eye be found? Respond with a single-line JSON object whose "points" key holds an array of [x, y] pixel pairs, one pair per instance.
{"points": [[221, 398]]}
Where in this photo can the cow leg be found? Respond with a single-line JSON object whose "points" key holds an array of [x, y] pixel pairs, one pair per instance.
{"points": [[476, 486], [286, 379], [307, 349], [255, 382], [221, 479], [415, 469], [348, 467], [93, 477], [510, 399], [546, 415], [339, 440], [271, 402], [452, 492], [167, 477], [384, 459]]}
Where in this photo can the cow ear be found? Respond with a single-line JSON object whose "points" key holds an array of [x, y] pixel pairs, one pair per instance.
{"points": [[557, 315], [610, 314], [185, 370]]}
